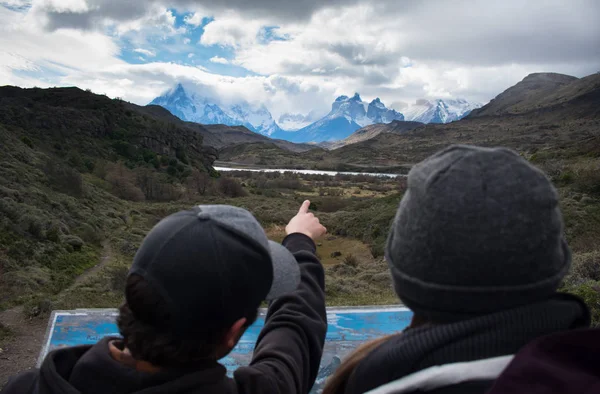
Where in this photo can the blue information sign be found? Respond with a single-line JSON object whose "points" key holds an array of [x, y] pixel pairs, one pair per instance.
{"points": [[347, 329]]}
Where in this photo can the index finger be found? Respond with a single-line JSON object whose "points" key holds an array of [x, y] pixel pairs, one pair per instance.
{"points": [[304, 207]]}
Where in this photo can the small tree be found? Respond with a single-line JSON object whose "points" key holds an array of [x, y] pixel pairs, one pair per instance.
{"points": [[63, 178], [230, 187], [199, 182], [122, 180]]}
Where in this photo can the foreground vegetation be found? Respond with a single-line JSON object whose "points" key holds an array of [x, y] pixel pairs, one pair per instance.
{"points": [[78, 186]]}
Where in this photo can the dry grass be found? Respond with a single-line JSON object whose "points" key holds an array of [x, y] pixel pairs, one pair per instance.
{"points": [[328, 245]]}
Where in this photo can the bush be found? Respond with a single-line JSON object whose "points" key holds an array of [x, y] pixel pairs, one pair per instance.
{"points": [[53, 234], [27, 141], [199, 182], [587, 177], [118, 278], [230, 187], [332, 204], [64, 179], [590, 293], [155, 187], [89, 234], [74, 241], [351, 260], [587, 265], [33, 225], [122, 182], [40, 307]]}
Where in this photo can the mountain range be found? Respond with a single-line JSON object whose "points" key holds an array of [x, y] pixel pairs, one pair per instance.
{"points": [[439, 111], [347, 115], [542, 113], [192, 107]]}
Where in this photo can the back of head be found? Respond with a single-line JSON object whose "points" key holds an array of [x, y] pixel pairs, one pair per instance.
{"points": [[145, 321], [196, 274], [478, 230]]}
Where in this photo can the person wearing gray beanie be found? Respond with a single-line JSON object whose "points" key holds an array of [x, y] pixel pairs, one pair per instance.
{"points": [[479, 230], [477, 251]]}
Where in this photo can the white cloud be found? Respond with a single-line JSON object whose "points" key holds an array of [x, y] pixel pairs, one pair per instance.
{"points": [[421, 49], [231, 30], [190, 55], [220, 60], [145, 52], [158, 21], [56, 53], [194, 19]]}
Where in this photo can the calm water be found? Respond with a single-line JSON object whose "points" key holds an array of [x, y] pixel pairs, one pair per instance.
{"points": [[314, 172]]}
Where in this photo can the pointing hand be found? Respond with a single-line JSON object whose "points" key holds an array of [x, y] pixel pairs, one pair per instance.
{"points": [[306, 223]]}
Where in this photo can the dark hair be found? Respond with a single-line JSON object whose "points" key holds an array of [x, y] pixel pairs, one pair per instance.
{"points": [[144, 322]]}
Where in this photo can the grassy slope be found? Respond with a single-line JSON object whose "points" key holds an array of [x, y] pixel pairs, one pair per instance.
{"points": [[53, 219]]}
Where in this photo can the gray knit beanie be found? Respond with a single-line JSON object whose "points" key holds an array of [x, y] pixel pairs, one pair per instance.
{"points": [[478, 230]]}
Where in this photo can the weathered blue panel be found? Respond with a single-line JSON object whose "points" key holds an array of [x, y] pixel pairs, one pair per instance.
{"points": [[348, 328]]}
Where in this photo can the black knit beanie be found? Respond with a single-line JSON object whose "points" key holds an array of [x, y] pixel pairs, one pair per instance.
{"points": [[478, 230]]}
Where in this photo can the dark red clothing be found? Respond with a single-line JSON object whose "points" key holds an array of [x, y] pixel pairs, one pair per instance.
{"points": [[564, 363]]}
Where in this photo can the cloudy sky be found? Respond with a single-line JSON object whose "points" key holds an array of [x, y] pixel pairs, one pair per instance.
{"points": [[296, 56]]}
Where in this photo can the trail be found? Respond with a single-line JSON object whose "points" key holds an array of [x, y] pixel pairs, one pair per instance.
{"points": [[106, 256], [20, 352]]}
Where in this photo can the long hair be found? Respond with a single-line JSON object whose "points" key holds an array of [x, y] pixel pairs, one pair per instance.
{"points": [[336, 384]]}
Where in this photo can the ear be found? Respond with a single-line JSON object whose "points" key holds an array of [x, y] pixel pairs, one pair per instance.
{"points": [[234, 334]]}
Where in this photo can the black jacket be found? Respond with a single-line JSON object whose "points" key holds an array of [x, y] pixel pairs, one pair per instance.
{"points": [[286, 358], [463, 357]]}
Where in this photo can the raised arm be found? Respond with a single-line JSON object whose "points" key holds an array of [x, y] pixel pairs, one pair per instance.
{"points": [[289, 348]]}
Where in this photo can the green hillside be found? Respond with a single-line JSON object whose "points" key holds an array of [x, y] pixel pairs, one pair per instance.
{"points": [[71, 165]]}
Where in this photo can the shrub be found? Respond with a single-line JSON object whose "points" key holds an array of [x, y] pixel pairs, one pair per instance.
{"points": [[33, 225], [351, 260], [181, 155], [39, 307], [332, 204], [587, 265], [27, 141], [118, 278], [590, 293], [73, 241], [89, 234], [587, 177], [199, 182], [155, 186], [122, 182], [53, 234], [230, 187], [63, 178], [10, 209]]}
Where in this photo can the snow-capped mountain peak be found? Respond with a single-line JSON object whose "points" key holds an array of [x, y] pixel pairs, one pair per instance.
{"points": [[439, 111], [293, 122], [347, 115], [190, 106]]}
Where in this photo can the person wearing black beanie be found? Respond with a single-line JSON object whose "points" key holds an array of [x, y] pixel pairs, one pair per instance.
{"points": [[477, 252]]}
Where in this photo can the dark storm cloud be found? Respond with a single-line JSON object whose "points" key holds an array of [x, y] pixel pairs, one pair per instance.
{"points": [[465, 32], [118, 10], [492, 33]]}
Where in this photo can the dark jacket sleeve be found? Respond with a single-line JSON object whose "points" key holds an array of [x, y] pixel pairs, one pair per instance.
{"points": [[289, 348], [21, 384]]}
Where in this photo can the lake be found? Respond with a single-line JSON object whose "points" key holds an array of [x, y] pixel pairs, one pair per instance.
{"points": [[313, 172]]}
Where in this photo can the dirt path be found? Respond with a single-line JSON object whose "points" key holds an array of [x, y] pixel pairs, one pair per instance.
{"points": [[106, 256], [20, 353]]}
